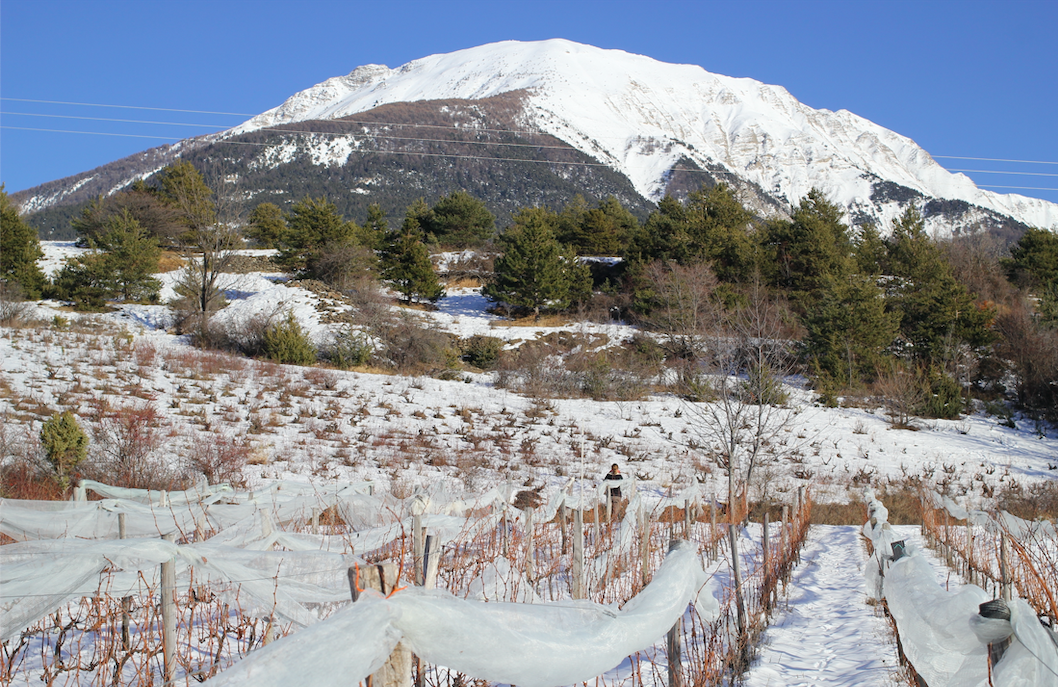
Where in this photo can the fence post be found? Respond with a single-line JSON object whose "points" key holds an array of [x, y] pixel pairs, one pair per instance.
{"points": [[598, 528], [578, 554], [126, 601], [168, 594], [687, 519], [672, 648], [315, 520], [644, 543], [713, 541], [396, 672], [784, 534], [1004, 566], [766, 542], [562, 527], [740, 603], [417, 548], [530, 545]]}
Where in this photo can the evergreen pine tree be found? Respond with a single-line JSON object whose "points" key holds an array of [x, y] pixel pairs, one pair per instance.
{"points": [[806, 251], [183, 187], [534, 271], [19, 250], [406, 265], [314, 228], [459, 220], [848, 331], [266, 225], [126, 257], [1034, 259], [937, 313]]}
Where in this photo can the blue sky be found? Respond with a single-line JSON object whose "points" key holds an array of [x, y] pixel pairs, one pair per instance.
{"points": [[962, 78]]}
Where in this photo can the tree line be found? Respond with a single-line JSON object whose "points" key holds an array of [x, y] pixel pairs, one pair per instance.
{"points": [[933, 322]]}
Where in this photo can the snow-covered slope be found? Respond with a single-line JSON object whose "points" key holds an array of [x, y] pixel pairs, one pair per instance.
{"points": [[641, 116]]}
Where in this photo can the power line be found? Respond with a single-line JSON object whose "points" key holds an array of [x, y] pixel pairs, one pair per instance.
{"points": [[129, 107], [402, 124], [994, 159], [1024, 188], [107, 119], [92, 133], [996, 171]]}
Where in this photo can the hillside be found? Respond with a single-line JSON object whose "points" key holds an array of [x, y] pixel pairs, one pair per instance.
{"points": [[605, 122]]}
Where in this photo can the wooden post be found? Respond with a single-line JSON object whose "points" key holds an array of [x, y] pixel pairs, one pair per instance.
{"points": [[315, 520], [126, 601], [433, 561], [687, 519], [578, 554], [766, 541], [1004, 566], [740, 603], [672, 648], [417, 548], [785, 519], [644, 543], [562, 527], [168, 594], [713, 541], [530, 546], [396, 672], [598, 528]]}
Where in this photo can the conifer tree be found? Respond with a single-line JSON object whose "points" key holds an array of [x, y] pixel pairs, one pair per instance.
{"points": [[19, 250], [406, 265], [806, 251], [937, 313], [126, 257], [266, 225], [376, 228], [65, 445], [534, 270], [1034, 259], [459, 220], [848, 330], [183, 187], [314, 228]]}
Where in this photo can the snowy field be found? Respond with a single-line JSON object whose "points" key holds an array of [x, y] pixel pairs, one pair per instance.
{"points": [[319, 427]]}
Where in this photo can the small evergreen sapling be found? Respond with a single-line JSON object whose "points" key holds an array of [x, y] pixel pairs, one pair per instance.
{"points": [[65, 445]]}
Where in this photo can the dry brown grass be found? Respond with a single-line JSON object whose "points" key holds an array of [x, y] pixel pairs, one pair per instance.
{"points": [[170, 261]]}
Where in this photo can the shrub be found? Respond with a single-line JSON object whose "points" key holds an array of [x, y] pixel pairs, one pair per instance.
{"points": [[13, 305], [286, 342], [126, 443], [410, 347], [942, 396], [352, 348], [220, 458], [481, 351], [65, 444]]}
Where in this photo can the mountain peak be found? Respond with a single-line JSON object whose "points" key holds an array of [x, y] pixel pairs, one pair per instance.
{"points": [[650, 121]]}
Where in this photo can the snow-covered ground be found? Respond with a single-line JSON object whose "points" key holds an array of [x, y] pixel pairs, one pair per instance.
{"points": [[828, 635], [319, 426], [306, 423]]}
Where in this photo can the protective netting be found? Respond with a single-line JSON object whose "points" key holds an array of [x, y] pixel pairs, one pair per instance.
{"points": [[536, 645], [942, 634]]}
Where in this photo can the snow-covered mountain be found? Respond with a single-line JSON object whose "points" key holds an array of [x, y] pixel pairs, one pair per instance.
{"points": [[654, 127], [641, 116]]}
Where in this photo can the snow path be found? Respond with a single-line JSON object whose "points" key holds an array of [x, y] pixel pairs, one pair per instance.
{"points": [[829, 635]]}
